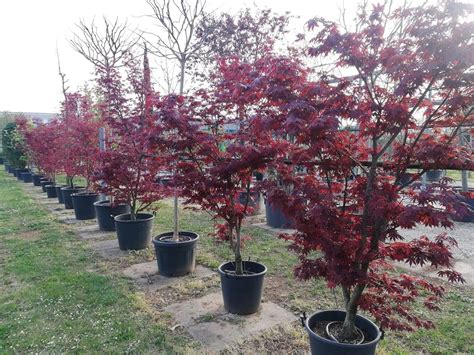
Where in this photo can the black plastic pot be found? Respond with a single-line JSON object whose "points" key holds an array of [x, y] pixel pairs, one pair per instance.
{"points": [[468, 215], [320, 345], [67, 191], [176, 258], [276, 218], [254, 200], [136, 234], [434, 175], [44, 183], [105, 214], [19, 173], [242, 293], [59, 193], [83, 203], [37, 179], [51, 191], [1, 160], [27, 177]]}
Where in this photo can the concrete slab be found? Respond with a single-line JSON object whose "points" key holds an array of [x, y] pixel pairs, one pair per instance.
{"points": [[207, 321], [265, 226], [108, 249], [92, 231], [146, 275]]}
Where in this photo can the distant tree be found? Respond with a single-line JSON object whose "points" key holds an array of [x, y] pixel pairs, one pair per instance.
{"points": [[249, 35]]}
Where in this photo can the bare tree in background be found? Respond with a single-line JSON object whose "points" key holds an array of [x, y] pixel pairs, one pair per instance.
{"points": [[104, 48], [177, 21]]}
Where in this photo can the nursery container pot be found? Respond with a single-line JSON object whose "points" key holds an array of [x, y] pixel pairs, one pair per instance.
{"points": [[134, 234], [276, 218], [67, 199], [105, 214], [242, 293], [59, 193], [27, 176], [176, 258], [11, 170], [2, 161], [51, 191], [468, 217], [19, 172], [321, 345], [45, 182], [37, 179], [434, 175], [83, 203]]}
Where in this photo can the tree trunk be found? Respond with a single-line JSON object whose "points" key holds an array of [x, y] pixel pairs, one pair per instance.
{"points": [[238, 257], [352, 304], [175, 216]]}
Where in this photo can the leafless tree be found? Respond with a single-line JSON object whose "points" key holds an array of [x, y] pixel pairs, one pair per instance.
{"points": [[177, 21], [104, 48]]}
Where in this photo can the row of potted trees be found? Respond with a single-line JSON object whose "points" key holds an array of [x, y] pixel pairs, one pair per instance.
{"points": [[338, 149]]}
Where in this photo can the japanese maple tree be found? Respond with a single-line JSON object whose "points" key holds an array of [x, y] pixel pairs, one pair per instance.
{"points": [[405, 92], [79, 138], [220, 143], [128, 168], [42, 145]]}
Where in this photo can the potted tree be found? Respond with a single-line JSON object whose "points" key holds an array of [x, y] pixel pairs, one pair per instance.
{"points": [[221, 144], [348, 227], [128, 169], [83, 143], [12, 149]]}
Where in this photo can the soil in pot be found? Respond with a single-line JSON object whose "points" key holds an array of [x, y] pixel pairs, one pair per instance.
{"points": [[105, 213], [45, 182], [37, 179], [134, 234], [323, 343], [83, 203], [176, 258], [242, 293], [67, 199], [51, 191], [59, 193]]}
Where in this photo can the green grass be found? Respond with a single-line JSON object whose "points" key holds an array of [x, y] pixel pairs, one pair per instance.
{"points": [[53, 299], [49, 300]]}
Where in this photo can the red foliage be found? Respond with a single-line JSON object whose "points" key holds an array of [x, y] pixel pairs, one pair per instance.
{"points": [[133, 158], [354, 138], [79, 137], [43, 145]]}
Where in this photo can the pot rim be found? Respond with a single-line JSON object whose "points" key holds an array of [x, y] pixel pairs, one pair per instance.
{"points": [[106, 203], [156, 239], [84, 194], [151, 217], [222, 272], [72, 188], [327, 341]]}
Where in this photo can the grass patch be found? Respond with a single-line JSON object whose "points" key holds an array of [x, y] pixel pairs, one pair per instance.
{"points": [[51, 303]]}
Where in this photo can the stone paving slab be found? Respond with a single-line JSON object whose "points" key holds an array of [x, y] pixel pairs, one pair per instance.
{"points": [[265, 226], [92, 231], [207, 321], [108, 249], [146, 275]]}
